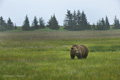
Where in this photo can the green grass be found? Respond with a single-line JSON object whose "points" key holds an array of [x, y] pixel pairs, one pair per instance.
{"points": [[19, 29], [45, 55]]}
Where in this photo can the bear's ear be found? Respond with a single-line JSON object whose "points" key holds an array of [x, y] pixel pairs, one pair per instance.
{"points": [[72, 48]]}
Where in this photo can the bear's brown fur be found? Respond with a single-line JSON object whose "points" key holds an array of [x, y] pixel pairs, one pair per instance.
{"points": [[80, 51]]}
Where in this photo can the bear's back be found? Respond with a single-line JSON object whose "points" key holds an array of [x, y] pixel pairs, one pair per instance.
{"points": [[84, 50]]}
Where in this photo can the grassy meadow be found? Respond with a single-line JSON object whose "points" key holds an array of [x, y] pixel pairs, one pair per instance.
{"points": [[45, 55]]}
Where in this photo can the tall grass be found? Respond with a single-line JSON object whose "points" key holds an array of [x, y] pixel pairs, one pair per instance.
{"points": [[45, 55]]}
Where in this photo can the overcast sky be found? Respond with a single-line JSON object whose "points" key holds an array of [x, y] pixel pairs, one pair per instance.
{"points": [[94, 9]]}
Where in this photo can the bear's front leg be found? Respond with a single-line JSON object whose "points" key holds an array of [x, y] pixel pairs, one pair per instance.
{"points": [[72, 56], [79, 56]]}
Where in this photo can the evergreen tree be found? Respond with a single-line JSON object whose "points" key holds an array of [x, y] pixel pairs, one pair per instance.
{"points": [[1, 21], [26, 25], [68, 20], [93, 27], [79, 20], [101, 25], [53, 23], [15, 27], [3, 25], [42, 24], [116, 23], [10, 25], [35, 23], [84, 23], [74, 23], [107, 23]]}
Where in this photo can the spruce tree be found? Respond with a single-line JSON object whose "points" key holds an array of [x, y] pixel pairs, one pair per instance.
{"points": [[99, 25], [116, 23], [68, 20], [41, 22], [103, 26], [107, 23], [53, 23], [84, 23], [15, 27], [79, 20], [93, 26], [10, 25], [35, 23], [74, 23], [3, 25], [26, 25], [1, 21]]}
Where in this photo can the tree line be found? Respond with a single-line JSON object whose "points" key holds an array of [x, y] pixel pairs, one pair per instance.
{"points": [[102, 24], [52, 23], [6, 25], [75, 21]]}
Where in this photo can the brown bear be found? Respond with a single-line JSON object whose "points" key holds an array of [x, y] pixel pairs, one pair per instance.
{"points": [[80, 51]]}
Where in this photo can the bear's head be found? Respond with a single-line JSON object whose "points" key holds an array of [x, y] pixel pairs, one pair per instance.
{"points": [[74, 50]]}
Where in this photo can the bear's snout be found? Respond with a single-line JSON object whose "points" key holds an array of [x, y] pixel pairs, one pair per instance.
{"points": [[77, 52]]}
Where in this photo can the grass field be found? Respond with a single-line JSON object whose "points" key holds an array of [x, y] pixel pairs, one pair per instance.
{"points": [[44, 55]]}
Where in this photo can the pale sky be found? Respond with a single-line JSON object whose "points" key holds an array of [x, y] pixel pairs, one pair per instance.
{"points": [[94, 9]]}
